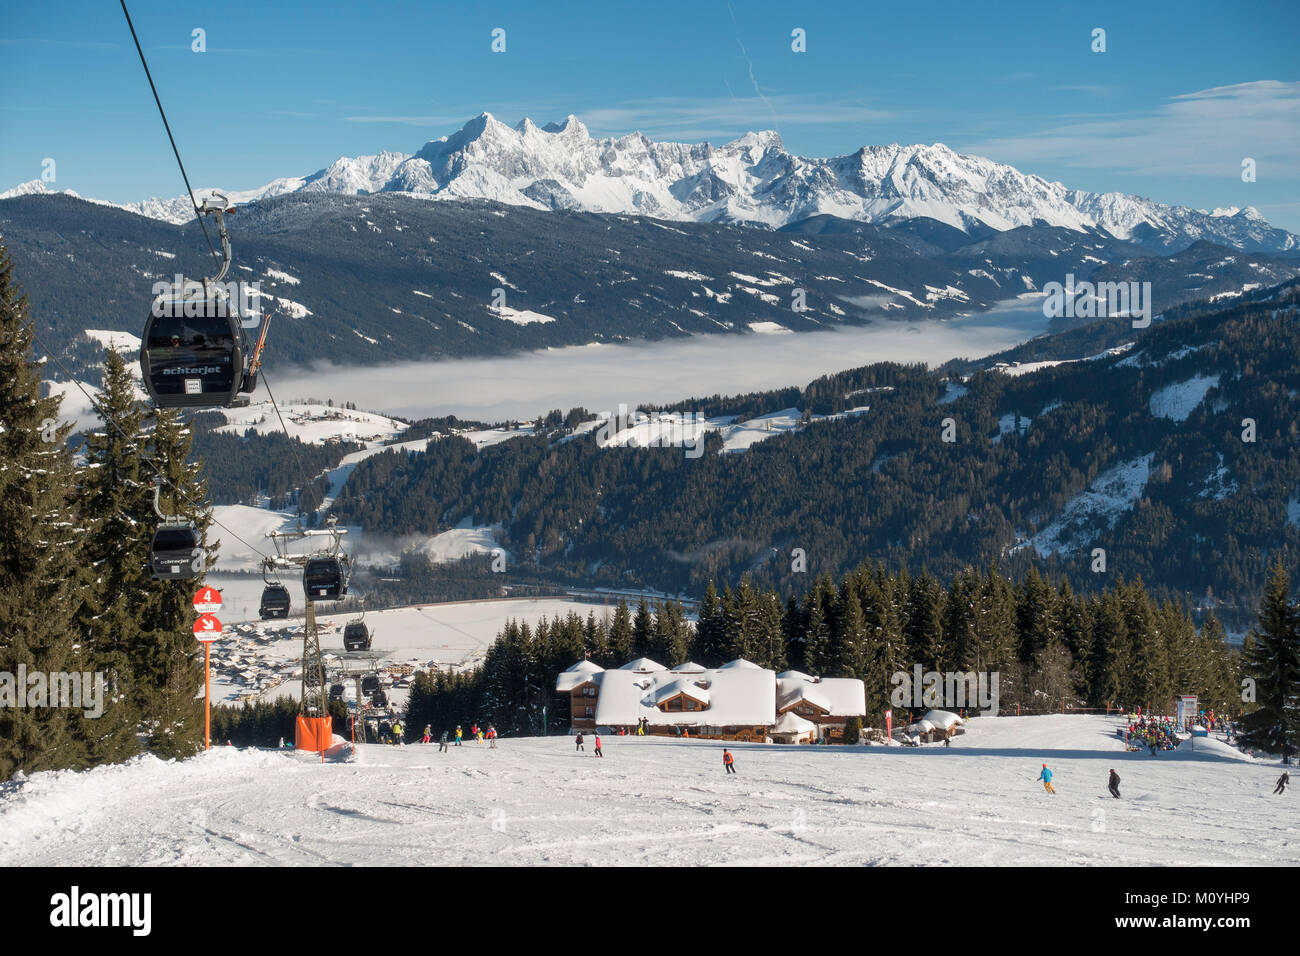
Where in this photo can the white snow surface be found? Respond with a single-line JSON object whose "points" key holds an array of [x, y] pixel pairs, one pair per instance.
{"points": [[1111, 493], [665, 802], [1178, 401]]}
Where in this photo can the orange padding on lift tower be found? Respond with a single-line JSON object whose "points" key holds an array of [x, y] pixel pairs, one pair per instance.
{"points": [[314, 733]]}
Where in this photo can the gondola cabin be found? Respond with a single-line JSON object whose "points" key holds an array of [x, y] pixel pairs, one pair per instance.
{"points": [[275, 602], [323, 579], [356, 637], [192, 352], [369, 684], [379, 698], [176, 553]]}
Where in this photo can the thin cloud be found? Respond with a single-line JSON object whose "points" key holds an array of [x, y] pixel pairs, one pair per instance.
{"points": [[1205, 133]]}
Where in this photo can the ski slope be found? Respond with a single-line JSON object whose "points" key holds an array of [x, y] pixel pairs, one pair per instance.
{"points": [[665, 802]]}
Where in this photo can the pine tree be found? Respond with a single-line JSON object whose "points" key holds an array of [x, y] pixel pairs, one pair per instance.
{"points": [[116, 498], [642, 631], [817, 630], [166, 664], [923, 622], [38, 554], [1272, 661], [621, 637], [848, 636], [710, 633]]}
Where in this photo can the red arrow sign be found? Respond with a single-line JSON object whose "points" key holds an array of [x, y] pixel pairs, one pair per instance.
{"points": [[207, 600], [207, 628]]}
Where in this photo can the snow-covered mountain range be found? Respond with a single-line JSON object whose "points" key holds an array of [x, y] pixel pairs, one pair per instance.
{"points": [[752, 180]]}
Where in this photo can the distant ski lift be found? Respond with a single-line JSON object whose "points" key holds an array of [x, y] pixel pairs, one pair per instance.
{"points": [[356, 636], [275, 602]]}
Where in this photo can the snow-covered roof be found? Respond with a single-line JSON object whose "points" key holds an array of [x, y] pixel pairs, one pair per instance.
{"points": [[683, 685], [837, 696], [794, 675], [922, 726], [740, 664], [690, 667], [642, 664], [734, 697], [942, 719], [792, 723], [577, 675]]}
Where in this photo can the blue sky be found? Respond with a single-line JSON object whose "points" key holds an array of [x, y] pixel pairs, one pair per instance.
{"points": [[1182, 94]]}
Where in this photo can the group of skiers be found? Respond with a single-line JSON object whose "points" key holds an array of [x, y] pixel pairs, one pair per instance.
{"points": [[580, 740], [1112, 784], [477, 734]]}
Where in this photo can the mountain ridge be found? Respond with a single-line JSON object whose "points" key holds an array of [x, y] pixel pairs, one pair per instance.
{"points": [[752, 180]]}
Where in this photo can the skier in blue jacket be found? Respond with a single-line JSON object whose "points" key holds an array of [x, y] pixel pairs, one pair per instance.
{"points": [[1046, 777]]}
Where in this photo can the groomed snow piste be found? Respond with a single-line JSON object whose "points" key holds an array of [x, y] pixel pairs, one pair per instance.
{"points": [[666, 802]]}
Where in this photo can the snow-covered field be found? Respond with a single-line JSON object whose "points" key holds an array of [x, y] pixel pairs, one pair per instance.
{"points": [[456, 633], [665, 802]]}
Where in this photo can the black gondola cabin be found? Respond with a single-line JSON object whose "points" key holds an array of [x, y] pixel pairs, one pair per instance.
{"points": [[192, 352], [323, 579], [275, 602], [176, 553]]}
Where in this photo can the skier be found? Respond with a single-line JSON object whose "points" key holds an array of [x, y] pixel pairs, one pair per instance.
{"points": [[473, 732], [1113, 784], [428, 734], [1282, 781], [458, 735], [397, 733], [442, 743], [598, 753], [728, 761], [1046, 776], [492, 738], [579, 744]]}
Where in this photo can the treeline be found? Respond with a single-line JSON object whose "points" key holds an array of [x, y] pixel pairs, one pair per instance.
{"points": [[239, 468], [885, 484], [77, 600], [266, 723], [1050, 646]]}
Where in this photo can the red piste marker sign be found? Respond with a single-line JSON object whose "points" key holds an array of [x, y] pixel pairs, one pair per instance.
{"points": [[207, 628], [207, 601]]}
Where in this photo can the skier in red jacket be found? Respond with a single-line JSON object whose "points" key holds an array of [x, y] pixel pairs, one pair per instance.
{"points": [[597, 751], [728, 761]]}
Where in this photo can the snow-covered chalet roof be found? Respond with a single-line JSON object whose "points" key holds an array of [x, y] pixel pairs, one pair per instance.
{"points": [[792, 723], [642, 664], [734, 697], [576, 676], [837, 696]]}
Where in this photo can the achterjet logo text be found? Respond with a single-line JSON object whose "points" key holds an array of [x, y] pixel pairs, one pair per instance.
{"points": [[36, 689], [950, 690], [73, 909]]}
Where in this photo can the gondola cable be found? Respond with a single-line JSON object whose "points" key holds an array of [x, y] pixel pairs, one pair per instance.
{"points": [[167, 126]]}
